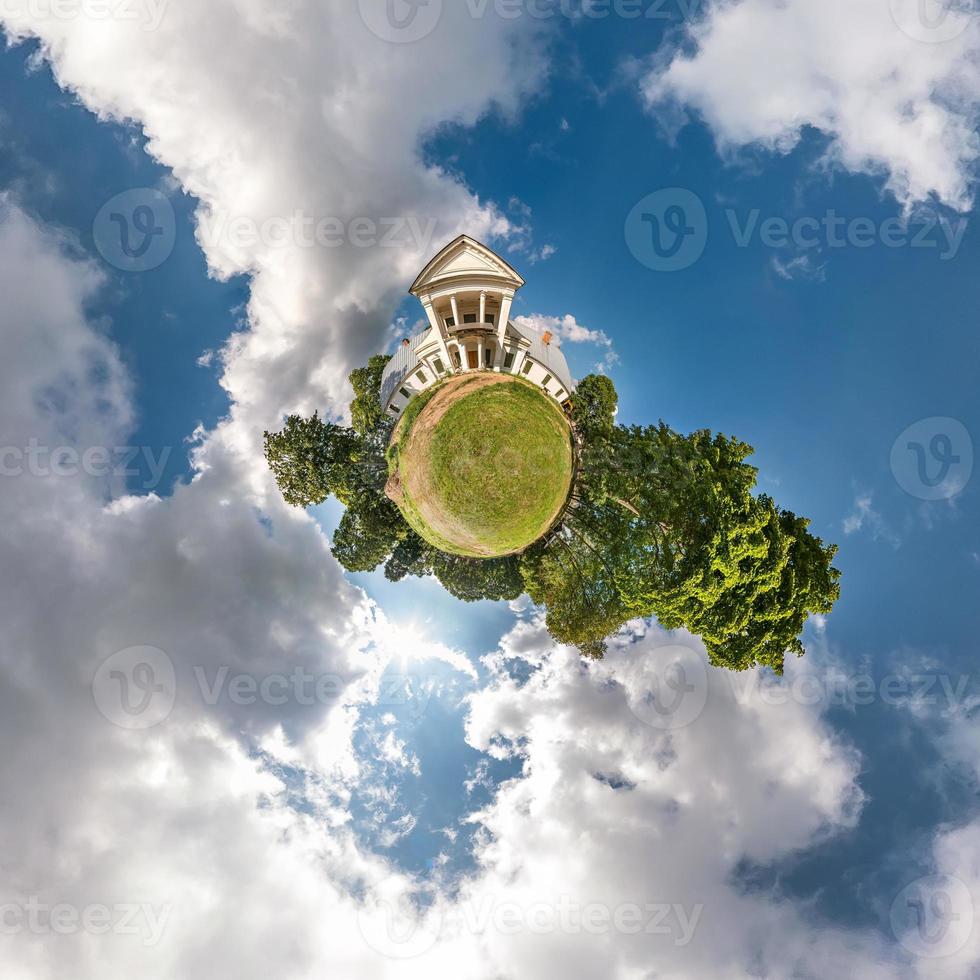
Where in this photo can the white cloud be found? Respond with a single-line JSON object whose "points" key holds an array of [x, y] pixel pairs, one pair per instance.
{"points": [[569, 329], [260, 111], [302, 116], [863, 72], [800, 267], [865, 514], [743, 780]]}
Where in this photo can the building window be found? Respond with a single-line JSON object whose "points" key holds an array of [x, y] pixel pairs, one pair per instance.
{"points": [[421, 376], [455, 356], [450, 322], [404, 392], [469, 318], [546, 382], [437, 363], [491, 318], [526, 367], [393, 409], [560, 394], [487, 357], [508, 360]]}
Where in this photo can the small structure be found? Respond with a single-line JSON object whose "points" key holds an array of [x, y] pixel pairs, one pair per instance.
{"points": [[466, 292]]}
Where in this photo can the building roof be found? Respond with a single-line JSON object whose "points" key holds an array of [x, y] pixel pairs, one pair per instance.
{"points": [[402, 364], [466, 259], [549, 355], [405, 360]]}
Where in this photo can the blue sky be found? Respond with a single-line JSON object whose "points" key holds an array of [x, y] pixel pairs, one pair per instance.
{"points": [[819, 353]]}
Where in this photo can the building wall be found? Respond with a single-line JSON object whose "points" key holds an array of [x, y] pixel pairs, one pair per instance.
{"points": [[537, 374]]}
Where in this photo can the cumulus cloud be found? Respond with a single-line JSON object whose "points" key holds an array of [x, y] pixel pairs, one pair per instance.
{"points": [[298, 130], [893, 86], [865, 515], [619, 805], [228, 820], [567, 328]]}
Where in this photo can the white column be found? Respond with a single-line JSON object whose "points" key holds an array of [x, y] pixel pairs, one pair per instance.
{"points": [[440, 331], [479, 353], [456, 319], [519, 362], [483, 306], [463, 366], [506, 299]]}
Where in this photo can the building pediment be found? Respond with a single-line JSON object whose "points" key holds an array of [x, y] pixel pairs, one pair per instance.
{"points": [[466, 261]]}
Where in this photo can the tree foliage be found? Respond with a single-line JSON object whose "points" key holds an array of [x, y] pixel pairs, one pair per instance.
{"points": [[683, 539], [660, 524], [367, 414]]}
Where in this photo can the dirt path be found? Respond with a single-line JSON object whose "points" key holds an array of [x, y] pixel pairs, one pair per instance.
{"points": [[419, 446], [413, 482]]}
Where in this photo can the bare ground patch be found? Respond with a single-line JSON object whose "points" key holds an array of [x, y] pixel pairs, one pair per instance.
{"points": [[410, 484]]}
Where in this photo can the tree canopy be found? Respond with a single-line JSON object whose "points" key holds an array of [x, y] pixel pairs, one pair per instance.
{"points": [[660, 524]]}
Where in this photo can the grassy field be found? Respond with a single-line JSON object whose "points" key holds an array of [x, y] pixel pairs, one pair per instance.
{"points": [[482, 465]]}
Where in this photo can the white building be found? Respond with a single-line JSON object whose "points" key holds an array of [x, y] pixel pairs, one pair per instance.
{"points": [[466, 292]]}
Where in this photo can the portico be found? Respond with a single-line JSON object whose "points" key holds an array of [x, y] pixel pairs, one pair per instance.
{"points": [[467, 292]]}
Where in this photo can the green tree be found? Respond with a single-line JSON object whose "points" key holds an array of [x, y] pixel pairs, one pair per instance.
{"points": [[573, 578], [367, 415], [312, 459], [474, 579], [368, 533], [594, 407], [468, 579], [700, 551], [660, 524], [411, 556]]}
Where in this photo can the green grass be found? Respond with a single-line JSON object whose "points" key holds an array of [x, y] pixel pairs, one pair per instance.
{"points": [[489, 477]]}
